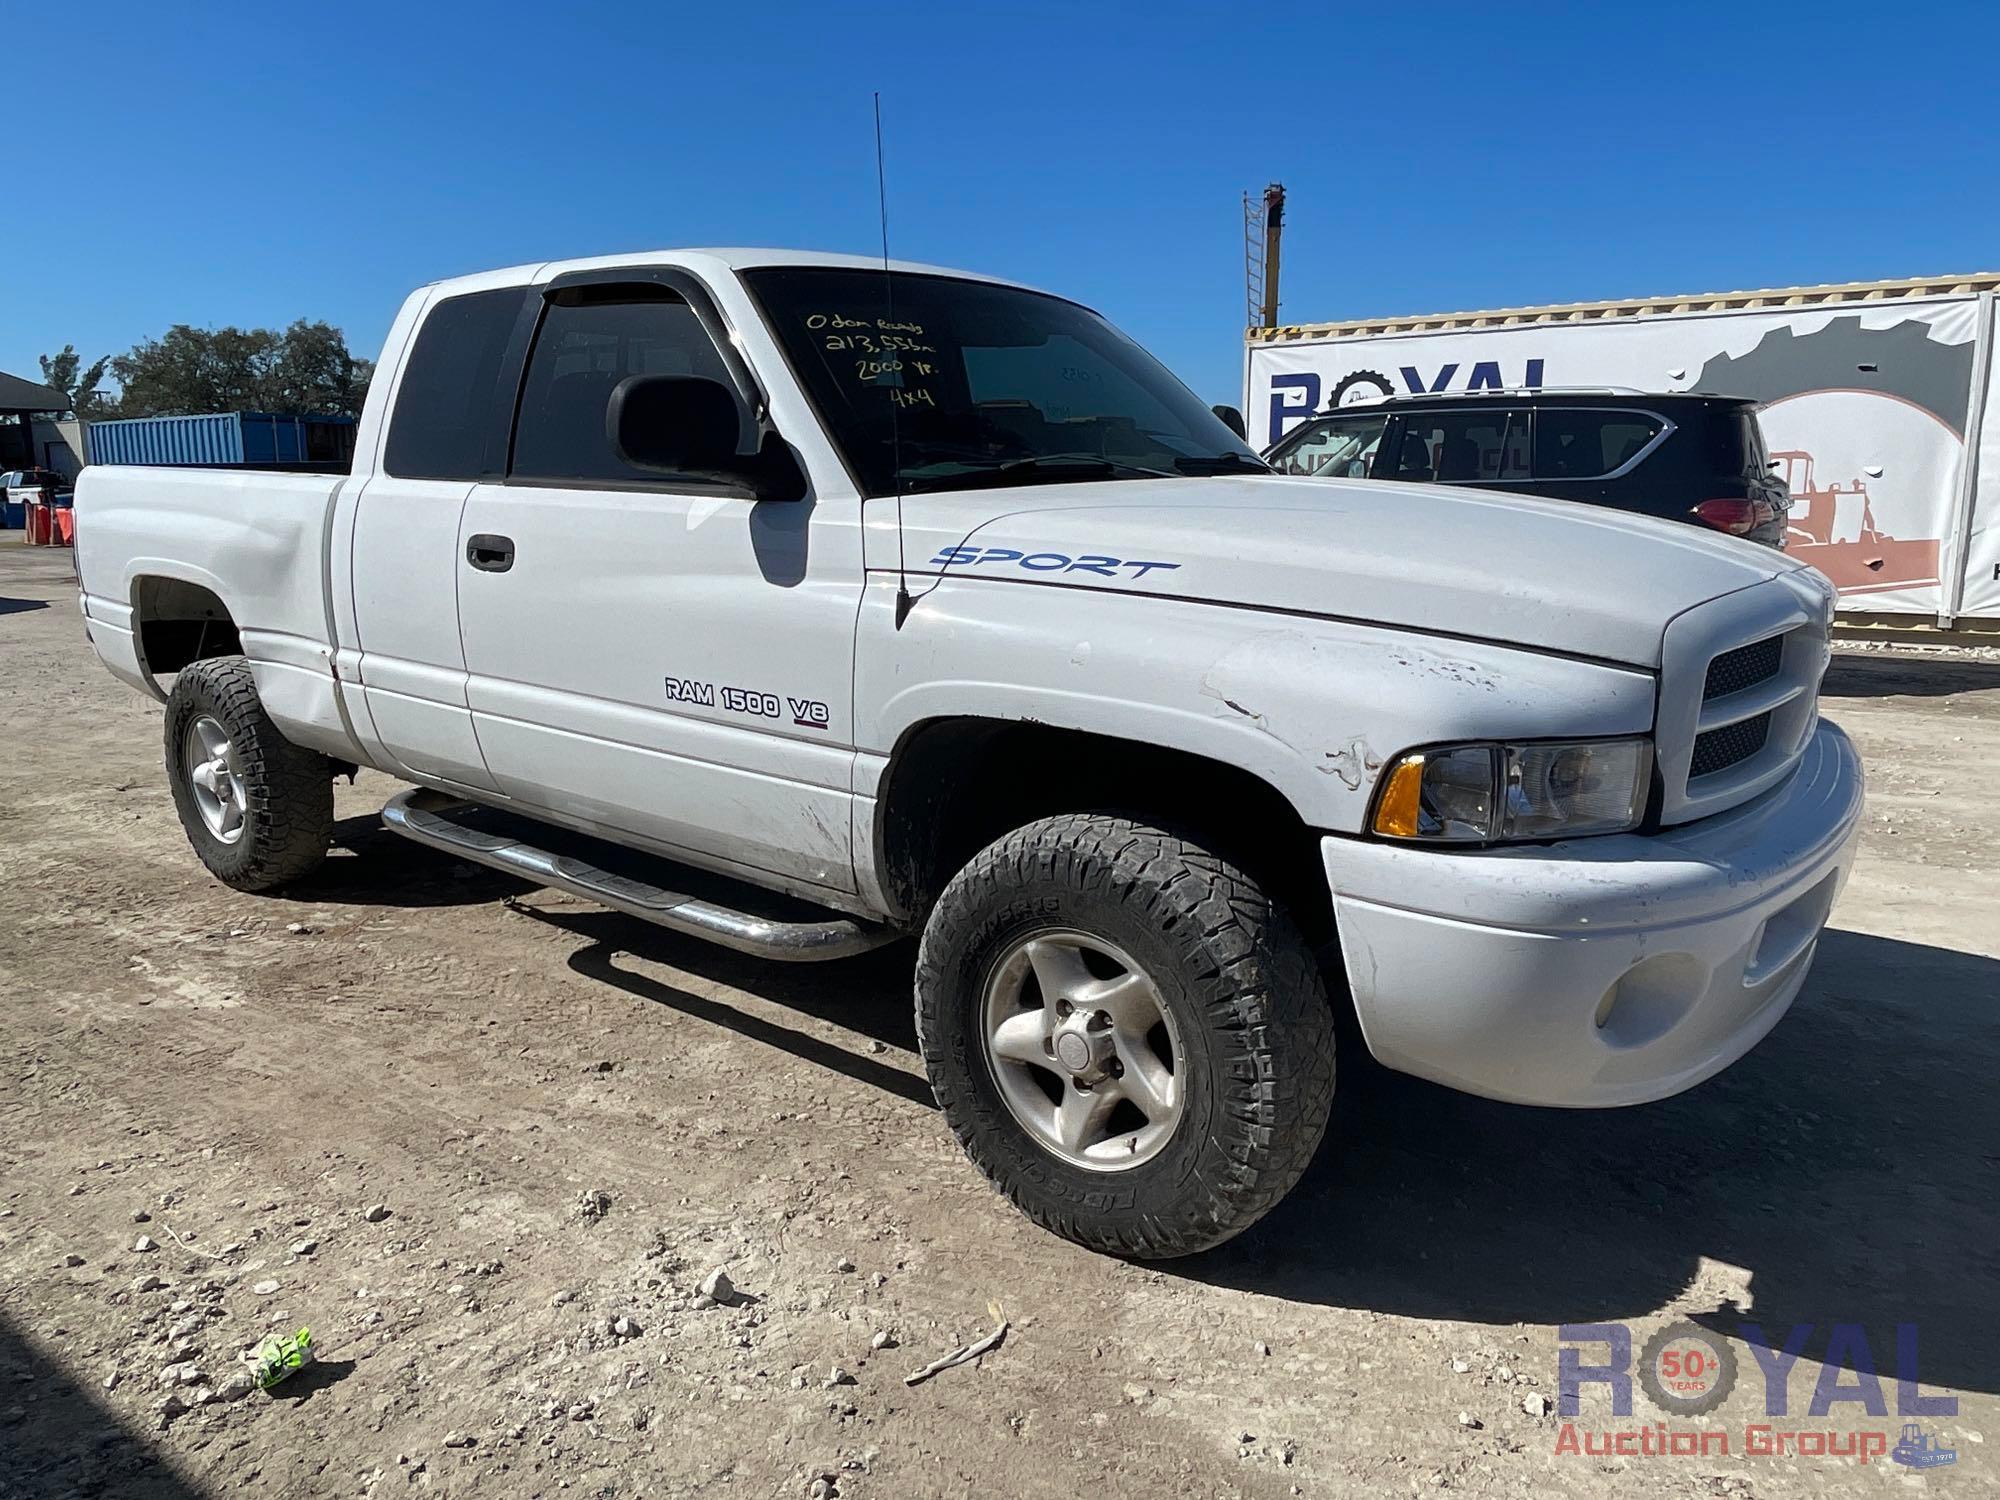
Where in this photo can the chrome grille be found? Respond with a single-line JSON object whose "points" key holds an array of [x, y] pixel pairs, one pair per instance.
{"points": [[1745, 667], [1719, 749]]}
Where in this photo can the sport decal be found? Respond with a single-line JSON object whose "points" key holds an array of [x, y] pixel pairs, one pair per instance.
{"points": [[1046, 562]]}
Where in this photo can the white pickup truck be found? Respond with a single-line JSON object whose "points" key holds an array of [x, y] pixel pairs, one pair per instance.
{"points": [[802, 603]]}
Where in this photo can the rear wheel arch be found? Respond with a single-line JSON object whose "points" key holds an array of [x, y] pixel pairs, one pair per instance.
{"points": [[176, 622]]}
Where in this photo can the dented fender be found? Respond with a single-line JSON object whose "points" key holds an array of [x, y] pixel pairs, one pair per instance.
{"points": [[1315, 707]]}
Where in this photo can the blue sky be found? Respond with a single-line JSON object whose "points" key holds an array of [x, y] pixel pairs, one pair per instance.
{"points": [[220, 164]]}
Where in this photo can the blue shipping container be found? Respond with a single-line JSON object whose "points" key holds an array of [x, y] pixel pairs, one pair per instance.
{"points": [[231, 437]]}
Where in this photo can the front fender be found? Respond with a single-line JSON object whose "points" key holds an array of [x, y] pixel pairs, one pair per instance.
{"points": [[1314, 707]]}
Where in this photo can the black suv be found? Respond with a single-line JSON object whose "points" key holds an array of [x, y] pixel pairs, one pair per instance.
{"points": [[1688, 457]]}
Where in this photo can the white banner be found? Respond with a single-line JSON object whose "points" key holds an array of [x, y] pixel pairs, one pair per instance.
{"points": [[1982, 553], [1865, 411]]}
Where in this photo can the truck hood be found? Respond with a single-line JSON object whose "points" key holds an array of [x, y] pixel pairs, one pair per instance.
{"points": [[1550, 575]]}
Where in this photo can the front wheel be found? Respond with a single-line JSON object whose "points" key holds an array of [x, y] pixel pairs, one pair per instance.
{"points": [[257, 808], [1127, 1036]]}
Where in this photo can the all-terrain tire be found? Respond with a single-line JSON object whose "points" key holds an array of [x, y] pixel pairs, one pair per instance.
{"points": [[1255, 1031], [287, 790]]}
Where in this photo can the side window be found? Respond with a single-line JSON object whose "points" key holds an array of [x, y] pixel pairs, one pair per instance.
{"points": [[1585, 444], [1340, 449], [1463, 447], [591, 339], [448, 404]]}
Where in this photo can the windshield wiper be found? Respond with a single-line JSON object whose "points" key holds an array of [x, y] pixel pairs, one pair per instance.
{"points": [[1055, 467], [1223, 463], [1078, 462]]}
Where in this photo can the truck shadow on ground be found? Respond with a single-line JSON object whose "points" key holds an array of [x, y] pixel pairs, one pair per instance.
{"points": [[869, 994], [1847, 1167], [370, 866], [65, 1440]]}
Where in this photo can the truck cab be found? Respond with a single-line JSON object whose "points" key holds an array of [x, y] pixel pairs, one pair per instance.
{"points": [[805, 603]]}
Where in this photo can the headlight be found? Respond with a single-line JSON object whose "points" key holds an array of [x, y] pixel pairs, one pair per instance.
{"points": [[1482, 794]]}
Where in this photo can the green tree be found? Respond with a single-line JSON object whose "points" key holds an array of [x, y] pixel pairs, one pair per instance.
{"points": [[306, 370], [314, 372], [189, 370], [76, 382]]}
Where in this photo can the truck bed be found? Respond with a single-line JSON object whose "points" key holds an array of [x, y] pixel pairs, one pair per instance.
{"points": [[255, 540]]}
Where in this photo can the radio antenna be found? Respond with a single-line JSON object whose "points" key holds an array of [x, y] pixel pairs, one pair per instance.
{"points": [[903, 600]]}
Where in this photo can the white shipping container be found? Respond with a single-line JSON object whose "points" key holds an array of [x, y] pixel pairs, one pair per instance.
{"points": [[1878, 405]]}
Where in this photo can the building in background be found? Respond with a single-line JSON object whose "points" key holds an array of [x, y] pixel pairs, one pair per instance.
{"points": [[29, 438], [1878, 404]]}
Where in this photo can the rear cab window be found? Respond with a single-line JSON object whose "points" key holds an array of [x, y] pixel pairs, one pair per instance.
{"points": [[449, 414]]}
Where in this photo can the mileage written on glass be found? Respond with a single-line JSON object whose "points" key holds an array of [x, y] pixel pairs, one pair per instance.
{"points": [[885, 354]]}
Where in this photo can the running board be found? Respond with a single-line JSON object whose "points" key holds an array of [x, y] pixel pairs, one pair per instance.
{"points": [[424, 816]]}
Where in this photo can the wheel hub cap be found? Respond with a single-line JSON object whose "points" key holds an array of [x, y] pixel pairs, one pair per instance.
{"points": [[1083, 1050], [216, 780], [1074, 1051]]}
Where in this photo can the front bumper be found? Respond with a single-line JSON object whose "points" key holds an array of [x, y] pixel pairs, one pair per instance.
{"points": [[1603, 971]]}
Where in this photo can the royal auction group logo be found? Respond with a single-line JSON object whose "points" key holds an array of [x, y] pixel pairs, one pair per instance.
{"points": [[1689, 1371], [1686, 1370]]}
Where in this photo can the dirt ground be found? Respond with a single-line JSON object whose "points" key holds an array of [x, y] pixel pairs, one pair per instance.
{"points": [[570, 1117]]}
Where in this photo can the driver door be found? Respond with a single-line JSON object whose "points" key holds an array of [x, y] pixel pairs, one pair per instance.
{"points": [[650, 655]]}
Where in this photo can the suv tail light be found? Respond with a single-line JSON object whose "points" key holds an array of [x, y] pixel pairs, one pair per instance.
{"points": [[1737, 517]]}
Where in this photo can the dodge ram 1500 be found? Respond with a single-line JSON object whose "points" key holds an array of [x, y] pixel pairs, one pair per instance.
{"points": [[803, 602]]}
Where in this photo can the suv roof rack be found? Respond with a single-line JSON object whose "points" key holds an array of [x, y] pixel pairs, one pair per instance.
{"points": [[1514, 392], [1530, 390]]}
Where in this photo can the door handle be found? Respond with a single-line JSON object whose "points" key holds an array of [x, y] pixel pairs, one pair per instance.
{"points": [[490, 553]]}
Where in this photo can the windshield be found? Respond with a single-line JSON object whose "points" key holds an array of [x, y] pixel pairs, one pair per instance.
{"points": [[934, 383]]}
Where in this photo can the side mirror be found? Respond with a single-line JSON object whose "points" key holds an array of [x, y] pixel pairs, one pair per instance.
{"points": [[696, 427], [1233, 420], [674, 423]]}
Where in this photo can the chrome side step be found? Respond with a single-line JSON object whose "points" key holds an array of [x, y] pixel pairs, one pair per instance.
{"points": [[420, 815]]}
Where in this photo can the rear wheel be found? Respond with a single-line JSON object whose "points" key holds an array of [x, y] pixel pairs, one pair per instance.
{"points": [[1128, 1037], [257, 808]]}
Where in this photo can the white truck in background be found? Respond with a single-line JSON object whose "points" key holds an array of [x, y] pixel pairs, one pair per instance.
{"points": [[903, 601]]}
